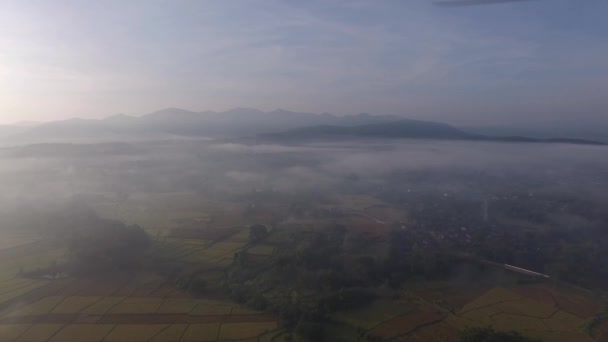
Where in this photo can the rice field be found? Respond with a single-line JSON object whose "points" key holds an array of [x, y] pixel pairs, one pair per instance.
{"points": [[241, 331], [73, 305], [82, 333], [201, 332], [140, 306], [377, 313], [40, 332], [135, 332]]}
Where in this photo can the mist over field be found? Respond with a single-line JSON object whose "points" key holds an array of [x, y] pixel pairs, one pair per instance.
{"points": [[58, 173]]}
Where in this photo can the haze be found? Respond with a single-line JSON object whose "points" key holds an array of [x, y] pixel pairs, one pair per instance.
{"points": [[512, 62]]}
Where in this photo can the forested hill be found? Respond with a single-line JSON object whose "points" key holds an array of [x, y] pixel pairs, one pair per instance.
{"points": [[412, 129]]}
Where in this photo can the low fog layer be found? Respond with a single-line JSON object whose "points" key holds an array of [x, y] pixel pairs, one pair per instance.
{"points": [[225, 171]]}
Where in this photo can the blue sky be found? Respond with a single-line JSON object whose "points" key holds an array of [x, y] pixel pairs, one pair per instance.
{"points": [[537, 60]]}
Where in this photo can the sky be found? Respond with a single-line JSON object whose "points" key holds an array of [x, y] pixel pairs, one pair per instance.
{"points": [[493, 64]]}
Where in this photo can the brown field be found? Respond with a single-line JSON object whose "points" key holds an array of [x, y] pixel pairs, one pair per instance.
{"points": [[201, 332], [40, 332], [103, 306], [176, 306], [72, 305], [82, 333], [137, 306], [41, 307], [172, 333], [135, 332], [10, 332]]}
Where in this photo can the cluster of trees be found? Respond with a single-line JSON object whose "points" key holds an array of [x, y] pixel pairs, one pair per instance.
{"points": [[104, 245], [309, 276], [315, 273]]}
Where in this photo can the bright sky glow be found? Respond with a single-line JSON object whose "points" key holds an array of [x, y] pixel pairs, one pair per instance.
{"points": [[535, 60]]}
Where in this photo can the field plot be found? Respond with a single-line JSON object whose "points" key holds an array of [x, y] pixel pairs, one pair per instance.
{"points": [[435, 332], [176, 306], [135, 332], [15, 293], [377, 313], [10, 332], [494, 296], [204, 308], [41, 307], [171, 333], [564, 299], [82, 333], [506, 322], [40, 332], [11, 267], [446, 295], [527, 310], [15, 283], [201, 332], [241, 331], [528, 307], [155, 212], [102, 306], [407, 323], [564, 321], [137, 306], [73, 305]]}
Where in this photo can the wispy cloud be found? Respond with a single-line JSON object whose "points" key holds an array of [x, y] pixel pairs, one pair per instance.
{"points": [[397, 57]]}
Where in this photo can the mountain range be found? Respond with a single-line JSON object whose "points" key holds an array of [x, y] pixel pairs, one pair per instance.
{"points": [[275, 125]]}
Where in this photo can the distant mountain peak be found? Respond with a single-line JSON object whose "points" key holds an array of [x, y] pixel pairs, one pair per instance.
{"points": [[243, 110], [120, 118]]}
